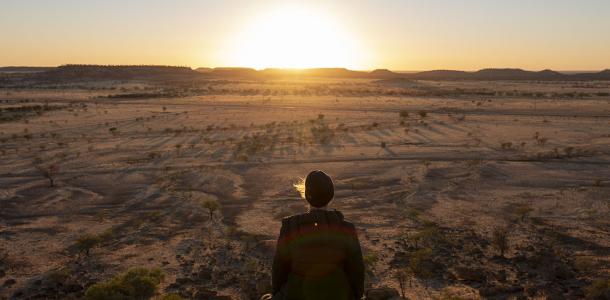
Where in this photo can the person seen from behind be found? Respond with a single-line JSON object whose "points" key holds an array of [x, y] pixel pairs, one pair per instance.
{"points": [[318, 255]]}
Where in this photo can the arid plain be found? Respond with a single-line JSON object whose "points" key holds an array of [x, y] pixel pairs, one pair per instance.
{"points": [[439, 177]]}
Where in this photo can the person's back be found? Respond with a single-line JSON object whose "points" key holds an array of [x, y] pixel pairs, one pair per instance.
{"points": [[318, 255]]}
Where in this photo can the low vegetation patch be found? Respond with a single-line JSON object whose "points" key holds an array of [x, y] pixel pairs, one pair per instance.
{"points": [[138, 283], [599, 289]]}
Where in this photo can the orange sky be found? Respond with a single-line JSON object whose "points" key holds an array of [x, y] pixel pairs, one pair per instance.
{"points": [[399, 35]]}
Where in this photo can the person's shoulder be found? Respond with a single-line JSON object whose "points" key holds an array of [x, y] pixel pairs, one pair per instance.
{"points": [[348, 226], [294, 219]]}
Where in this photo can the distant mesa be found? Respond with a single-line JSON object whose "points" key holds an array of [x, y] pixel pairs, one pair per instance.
{"points": [[99, 72], [24, 69]]}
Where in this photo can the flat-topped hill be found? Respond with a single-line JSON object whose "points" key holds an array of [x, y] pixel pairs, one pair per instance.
{"points": [[99, 72]]}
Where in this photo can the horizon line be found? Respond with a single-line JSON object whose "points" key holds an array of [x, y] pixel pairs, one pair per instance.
{"points": [[308, 68]]}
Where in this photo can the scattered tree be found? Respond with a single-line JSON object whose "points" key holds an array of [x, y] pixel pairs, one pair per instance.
{"points": [[211, 205], [85, 243], [500, 239], [420, 263]]}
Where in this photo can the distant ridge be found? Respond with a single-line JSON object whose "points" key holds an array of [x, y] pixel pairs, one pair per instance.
{"points": [[70, 73], [120, 72], [484, 74], [13, 69]]}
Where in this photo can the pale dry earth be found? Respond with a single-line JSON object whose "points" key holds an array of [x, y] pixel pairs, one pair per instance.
{"points": [[138, 170]]}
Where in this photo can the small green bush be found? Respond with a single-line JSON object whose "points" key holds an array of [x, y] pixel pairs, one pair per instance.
{"points": [[137, 283]]}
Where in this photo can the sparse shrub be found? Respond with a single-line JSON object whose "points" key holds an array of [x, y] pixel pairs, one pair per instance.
{"points": [[422, 113], [404, 114], [383, 145], [85, 243], [506, 146], [522, 210], [3, 258], [412, 212], [403, 276], [542, 141], [598, 290], [322, 133], [251, 265], [585, 264], [211, 205], [370, 260], [171, 297], [113, 130], [49, 172], [138, 283], [500, 239], [369, 266], [420, 263], [430, 236], [153, 155]]}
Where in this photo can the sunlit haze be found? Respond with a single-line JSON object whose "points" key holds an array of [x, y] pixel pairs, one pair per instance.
{"points": [[399, 35]]}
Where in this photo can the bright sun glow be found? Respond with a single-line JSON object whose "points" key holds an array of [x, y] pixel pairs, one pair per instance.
{"points": [[293, 38]]}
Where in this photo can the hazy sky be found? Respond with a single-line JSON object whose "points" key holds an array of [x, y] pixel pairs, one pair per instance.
{"points": [[400, 35]]}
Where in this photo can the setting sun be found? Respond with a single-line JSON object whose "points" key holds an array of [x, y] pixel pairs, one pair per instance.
{"points": [[293, 37]]}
